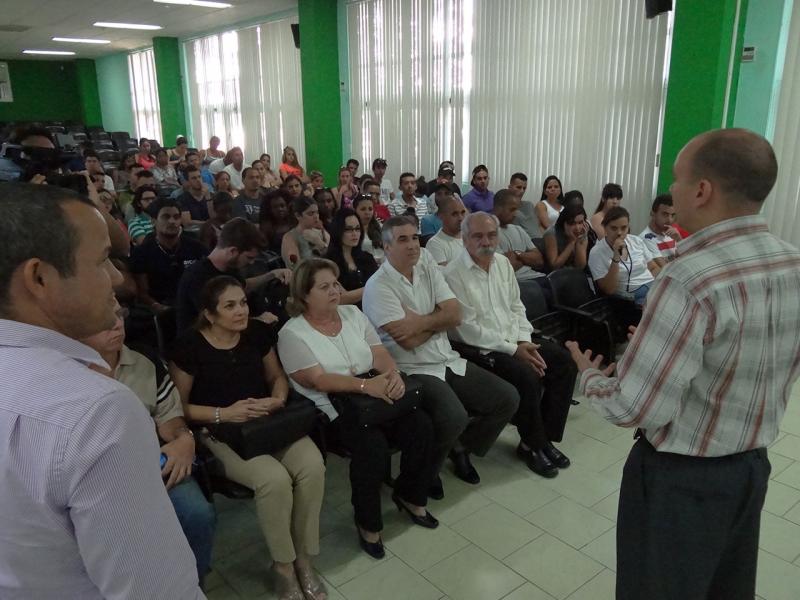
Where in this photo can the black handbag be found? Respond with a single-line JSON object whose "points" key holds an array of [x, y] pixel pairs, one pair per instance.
{"points": [[369, 411], [271, 432]]}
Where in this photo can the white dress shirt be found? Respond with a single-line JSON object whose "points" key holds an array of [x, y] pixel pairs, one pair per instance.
{"points": [[84, 513], [492, 314], [443, 247], [385, 295], [633, 271]]}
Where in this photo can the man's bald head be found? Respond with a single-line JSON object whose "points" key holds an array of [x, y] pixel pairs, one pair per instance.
{"points": [[739, 163]]}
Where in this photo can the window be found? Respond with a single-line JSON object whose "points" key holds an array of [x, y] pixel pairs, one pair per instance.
{"points": [[144, 95], [573, 88], [245, 89]]}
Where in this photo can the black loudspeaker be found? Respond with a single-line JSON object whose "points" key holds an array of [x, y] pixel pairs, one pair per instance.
{"points": [[296, 34], [653, 8]]}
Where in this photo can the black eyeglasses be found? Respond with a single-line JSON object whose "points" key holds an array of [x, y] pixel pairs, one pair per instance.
{"points": [[349, 229]]}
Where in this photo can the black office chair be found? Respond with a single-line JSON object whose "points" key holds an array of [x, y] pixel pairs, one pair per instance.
{"points": [[549, 324]]}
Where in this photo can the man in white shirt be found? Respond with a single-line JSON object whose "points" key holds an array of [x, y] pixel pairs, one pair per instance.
{"points": [[660, 235], [235, 168], [622, 264], [95, 167], [493, 322], [379, 175], [411, 306], [447, 244]]}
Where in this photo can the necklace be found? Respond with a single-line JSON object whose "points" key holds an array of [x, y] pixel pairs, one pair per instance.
{"points": [[335, 339]]}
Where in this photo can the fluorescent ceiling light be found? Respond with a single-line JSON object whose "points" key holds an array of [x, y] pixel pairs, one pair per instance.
{"points": [[203, 3], [80, 40], [56, 52], [126, 25]]}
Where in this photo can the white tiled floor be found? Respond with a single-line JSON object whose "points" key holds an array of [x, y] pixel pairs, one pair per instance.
{"points": [[515, 536]]}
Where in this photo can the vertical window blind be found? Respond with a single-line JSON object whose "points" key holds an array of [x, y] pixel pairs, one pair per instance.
{"points": [[567, 87], [245, 89], [144, 95], [782, 207]]}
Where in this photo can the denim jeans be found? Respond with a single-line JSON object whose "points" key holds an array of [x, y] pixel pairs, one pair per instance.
{"points": [[640, 294], [197, 518]]}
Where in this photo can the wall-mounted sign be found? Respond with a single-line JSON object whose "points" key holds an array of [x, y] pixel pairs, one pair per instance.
{"points": [[5, 84]]}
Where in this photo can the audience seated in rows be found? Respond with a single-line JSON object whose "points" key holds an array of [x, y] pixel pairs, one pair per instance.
{"points": [[308, 238], [551, 203], [194, 200], [365, 208], [480, 197], [355, 266], [446, 244], [567, 243]]}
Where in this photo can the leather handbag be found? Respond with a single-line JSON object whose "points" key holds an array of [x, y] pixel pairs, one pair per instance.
{"points": [[269, 433], [369, 411]]}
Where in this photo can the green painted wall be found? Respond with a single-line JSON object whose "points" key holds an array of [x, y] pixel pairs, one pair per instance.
{"points": [[114, 88], [87, 90], [44, 90], [698, 74], [166, 52], [319, 62]]}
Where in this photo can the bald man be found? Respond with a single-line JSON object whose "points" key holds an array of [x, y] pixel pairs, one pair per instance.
{"points": [[705, 380]]}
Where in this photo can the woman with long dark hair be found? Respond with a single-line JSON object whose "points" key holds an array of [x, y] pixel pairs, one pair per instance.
{"points": [[364, 207], [355, 265], [551, 202], [568, 242]]}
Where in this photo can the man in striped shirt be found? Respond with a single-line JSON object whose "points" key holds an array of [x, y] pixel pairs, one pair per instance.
{"points": [[706, 378]]}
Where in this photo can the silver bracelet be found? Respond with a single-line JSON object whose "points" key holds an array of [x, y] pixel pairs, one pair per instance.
{"points": [[216, 416]]}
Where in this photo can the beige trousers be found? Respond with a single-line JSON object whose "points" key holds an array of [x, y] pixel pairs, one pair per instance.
{"points": [[288, 487]]}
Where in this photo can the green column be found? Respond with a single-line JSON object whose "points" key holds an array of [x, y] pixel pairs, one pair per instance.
{"points": [[166, 53], [86, 77], [705, 36], [319, 62]]}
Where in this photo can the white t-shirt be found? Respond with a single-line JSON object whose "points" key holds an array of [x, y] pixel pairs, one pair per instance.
{"points": [[236, 176], [660, 245], [216, 165], [633, 271], [386, 189], [513, 237], [444, 248], [300, 346]]}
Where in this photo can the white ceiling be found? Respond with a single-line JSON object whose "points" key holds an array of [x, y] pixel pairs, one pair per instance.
{"points": [[74, 18]]}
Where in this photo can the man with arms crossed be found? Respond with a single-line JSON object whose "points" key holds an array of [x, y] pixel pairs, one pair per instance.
{"points": [[705, 378], [83, 510]]}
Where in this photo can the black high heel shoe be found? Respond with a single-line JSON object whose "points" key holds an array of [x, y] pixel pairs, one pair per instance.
{"points": [[428, 521], [374, 549]]}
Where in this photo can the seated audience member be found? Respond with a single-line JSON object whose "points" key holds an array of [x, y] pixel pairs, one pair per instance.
{"points": [[345, 189], [107, 198], [222, 206], [291, 166], [248, 203], [661, 235], [218, 164], [327, 205], [308, 238], [293, 187], [431, 223], [274, 219], [622, 264], [194, 201], [143, 156], [408, 199], [264, 182], [479, 197], [526, 215], [126, 180], [212, 152], [517, 247], [567, 242], [178, 154], [227, 371], [164, 173], [95, 167], [352, 165], [610, 197], [355, 265], [372, 188], [148, 378], [551, 203], [573, 197], [323, 348], [158, 262], [316, 180], [408, 301], [444, 176], [273, 179], [222, 183], [493, 321], [238, 246], [364, 206], [234, 160], [379, 176], [447, 244], [141, 224], [193, 160], [139, 177]]}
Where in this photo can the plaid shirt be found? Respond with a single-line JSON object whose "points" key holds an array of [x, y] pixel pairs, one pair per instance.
{"points": [[712, 363]]}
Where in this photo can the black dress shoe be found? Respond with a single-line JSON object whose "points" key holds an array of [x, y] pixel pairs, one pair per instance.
{"points": [[374, 549], [557, 457], [538, 462], [463, 467], [436, 491], [428, 521]]}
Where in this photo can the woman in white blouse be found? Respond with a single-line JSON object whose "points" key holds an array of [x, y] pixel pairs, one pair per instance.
{"points": [[323, 348]]}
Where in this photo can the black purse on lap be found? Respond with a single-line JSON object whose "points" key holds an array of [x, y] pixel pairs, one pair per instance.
{"points": [[369, 411]]}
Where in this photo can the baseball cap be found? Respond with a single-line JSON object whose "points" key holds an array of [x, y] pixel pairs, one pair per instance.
{"points": [[446, 170]]}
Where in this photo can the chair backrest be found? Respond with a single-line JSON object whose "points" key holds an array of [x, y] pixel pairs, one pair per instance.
{"points": [[65, 141], [535, 302], [570, 287], [166, 330]]}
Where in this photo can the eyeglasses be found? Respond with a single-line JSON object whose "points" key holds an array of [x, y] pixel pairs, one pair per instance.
{"points": [[349, 229]]}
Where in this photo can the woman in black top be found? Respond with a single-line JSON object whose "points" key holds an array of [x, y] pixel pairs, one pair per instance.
{"points": [[355, 265], [227, 371]]}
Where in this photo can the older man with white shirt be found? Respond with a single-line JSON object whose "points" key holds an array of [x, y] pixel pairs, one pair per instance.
{"points": [[493, 322]]}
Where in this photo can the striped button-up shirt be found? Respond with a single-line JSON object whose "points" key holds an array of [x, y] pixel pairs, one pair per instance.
{"points": [[711, 366], [83, 510]]}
